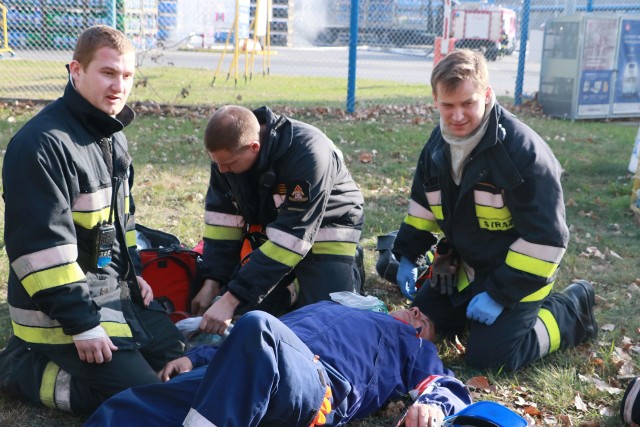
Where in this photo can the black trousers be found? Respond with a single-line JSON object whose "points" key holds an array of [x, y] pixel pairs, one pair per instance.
{"points": [[56, 376], [512, 341]]}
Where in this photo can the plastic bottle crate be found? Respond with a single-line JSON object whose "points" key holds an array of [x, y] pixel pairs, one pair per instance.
{"points": [[16, 17], [63, 20], [61, 40], [167, 21], [167, 7], [19, 39]]}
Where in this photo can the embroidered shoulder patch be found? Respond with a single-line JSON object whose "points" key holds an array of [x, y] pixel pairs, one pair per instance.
{"points": [[298, 192]]}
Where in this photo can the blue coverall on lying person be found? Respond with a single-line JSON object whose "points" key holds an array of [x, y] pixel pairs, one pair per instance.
{"points": [[324, 364]]}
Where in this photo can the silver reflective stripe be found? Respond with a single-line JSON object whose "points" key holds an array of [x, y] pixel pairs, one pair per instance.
{"points": [[544, 252], [330, 234], [419, 211], [278, 199], [544, 342], [287, 241], [126, 189], [195, 419], [90, 202], [434, 197], [469, 271], [33, 318], [111, 315], [485, 198], [631, 399], [44, 259], [226, 220], [63, 391]]}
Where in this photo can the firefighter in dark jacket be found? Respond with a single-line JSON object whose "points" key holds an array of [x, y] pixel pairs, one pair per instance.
{"points": [[289, 180], [84, 324], [491, 186]]}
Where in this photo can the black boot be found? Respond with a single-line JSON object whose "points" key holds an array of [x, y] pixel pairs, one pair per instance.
{"points": [[583, 296]]}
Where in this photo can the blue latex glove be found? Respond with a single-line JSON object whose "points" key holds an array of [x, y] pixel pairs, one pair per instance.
{"points": [[406, 277], [484, 309]]}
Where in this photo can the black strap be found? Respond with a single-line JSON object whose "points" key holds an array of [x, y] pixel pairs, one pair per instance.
{"points": [[107, 153]]}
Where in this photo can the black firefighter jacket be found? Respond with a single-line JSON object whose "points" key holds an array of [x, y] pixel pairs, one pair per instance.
{"points": [[57, 188], [506, 219], [299, 189]]}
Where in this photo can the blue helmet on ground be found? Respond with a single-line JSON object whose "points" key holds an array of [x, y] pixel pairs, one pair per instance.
{"points": [[485, 414]]}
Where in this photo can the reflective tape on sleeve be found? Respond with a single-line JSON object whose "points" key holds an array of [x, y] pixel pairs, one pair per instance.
{"points": [[216, 232], [282, 255], [53, 277]]}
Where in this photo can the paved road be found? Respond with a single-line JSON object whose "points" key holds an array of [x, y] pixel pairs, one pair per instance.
{"points": [[401, 65]]}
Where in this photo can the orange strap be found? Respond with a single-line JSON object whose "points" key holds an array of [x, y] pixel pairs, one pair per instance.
{"points": [[246, 243], [324, 409]]}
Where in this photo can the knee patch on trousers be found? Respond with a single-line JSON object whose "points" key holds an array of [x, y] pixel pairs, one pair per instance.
{"points": [[55, 388]]}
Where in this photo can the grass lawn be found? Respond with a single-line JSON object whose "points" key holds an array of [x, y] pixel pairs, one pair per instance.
{"points": [[381, 145]]}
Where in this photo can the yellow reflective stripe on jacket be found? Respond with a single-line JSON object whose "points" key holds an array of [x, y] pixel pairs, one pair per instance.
{"points": [[530, 264], [462, 280], [537, 259], [435, 203], [282, 255], [131, 238], [464, 276], [217, 232], [549, 338], [88, 220], [489, 213], [91, 208], [422, 224], [539, 294], [48, 385], [57, 336], [334, 248], [46, 258], [53, 277]]}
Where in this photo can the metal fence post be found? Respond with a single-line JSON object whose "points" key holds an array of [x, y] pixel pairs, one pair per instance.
{"points": [[353, 49], [524, 35]]}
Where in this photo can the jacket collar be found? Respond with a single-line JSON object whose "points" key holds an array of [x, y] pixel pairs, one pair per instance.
{"points": [[278, 136], [99, 123]]}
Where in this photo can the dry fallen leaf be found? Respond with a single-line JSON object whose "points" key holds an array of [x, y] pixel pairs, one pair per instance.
{"points": [[608, 327], [565, 421], [532, 410], [365, 157], [460, 349], [579, 404], [479, 382]]}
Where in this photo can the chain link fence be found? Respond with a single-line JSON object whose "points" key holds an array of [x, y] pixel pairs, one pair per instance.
{"points": [[301, 38]]}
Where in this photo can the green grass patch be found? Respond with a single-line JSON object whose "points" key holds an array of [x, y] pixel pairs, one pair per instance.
{"points": [[381, 145], [184, 86]]}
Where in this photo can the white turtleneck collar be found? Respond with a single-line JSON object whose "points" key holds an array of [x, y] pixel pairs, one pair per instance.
{"points": [[461, 147]]}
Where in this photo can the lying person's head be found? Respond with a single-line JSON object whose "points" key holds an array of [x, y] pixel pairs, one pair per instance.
{"points": [[414, 317]]}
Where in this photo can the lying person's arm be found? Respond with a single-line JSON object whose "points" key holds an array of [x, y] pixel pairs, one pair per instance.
{"points": [[435, 397]]}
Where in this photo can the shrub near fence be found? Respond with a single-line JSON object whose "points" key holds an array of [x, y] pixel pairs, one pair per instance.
{"points": [[308, 39]]}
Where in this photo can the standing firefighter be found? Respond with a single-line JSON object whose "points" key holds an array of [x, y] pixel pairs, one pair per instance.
{"points": [[287, 179], [491, 185], [85, 326]]}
